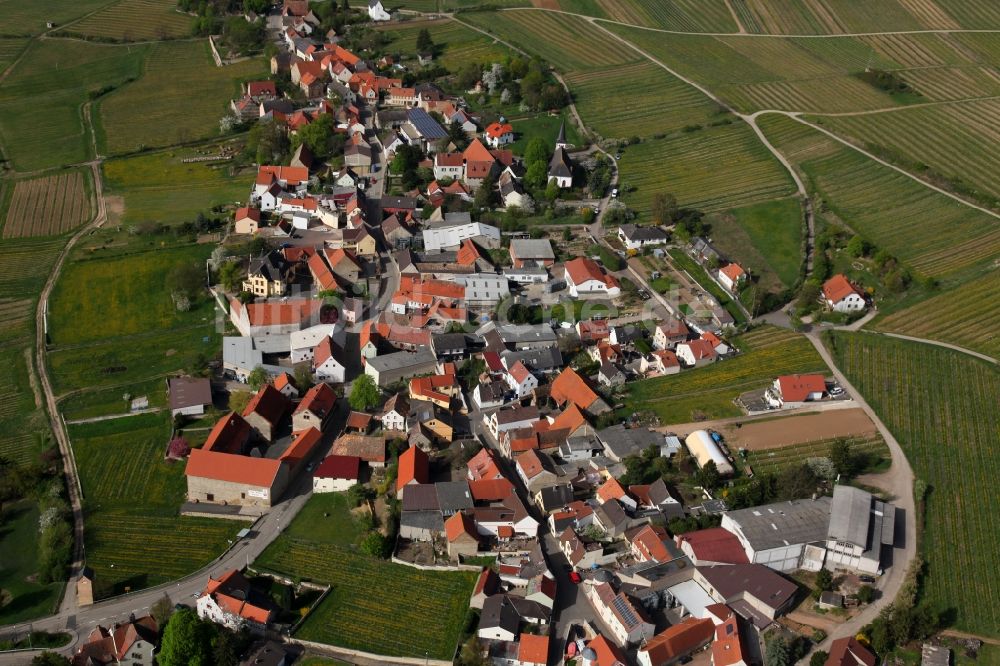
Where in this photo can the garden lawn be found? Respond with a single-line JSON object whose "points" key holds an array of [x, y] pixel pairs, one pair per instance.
{"points": [[709, 391], [374, 605], [326, 517], [455, 44], [942, 407], [41, 100], [135, 537], [544, 126], [105, 402], [701, 276], [765, 238], [96, 299], [18, 559], [180, 97], [159, 187]]}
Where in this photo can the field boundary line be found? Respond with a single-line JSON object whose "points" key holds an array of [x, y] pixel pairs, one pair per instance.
{"points": [[890, 109], [736, 17], [938, 343]]}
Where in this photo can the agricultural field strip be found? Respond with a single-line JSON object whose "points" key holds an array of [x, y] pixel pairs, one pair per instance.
{"points": [[47, 206]]}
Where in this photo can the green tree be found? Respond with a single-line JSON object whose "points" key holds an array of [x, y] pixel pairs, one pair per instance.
{"points": [[230, 275], [842, 457], [778, 653], [303, 377], [858, 247], [664, 208], [359, 493], [536, 175], [267, 142], [818, 658], [242, 36], [318, 135], [238, 401], [187, 278], [49, 659], [424, 41], [472, 653], [708, 476], [866, 594], [257, 378], [186, 641], [824, 580], [485, 196], [375, 544], [536, 151], [364, 393]]}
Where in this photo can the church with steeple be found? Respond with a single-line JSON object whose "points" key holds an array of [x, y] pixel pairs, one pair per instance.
{"points": [[560, 166]]}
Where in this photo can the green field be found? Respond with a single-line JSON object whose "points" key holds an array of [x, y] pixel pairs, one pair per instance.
{"points": [[544, 126], [456, 44], [9, 50], [649, 100], [934, 234], [180, 97], [765, 239], [710, 390], [42, 98], [104, 402], [942, 407], [683, 15], [959, 141], [963, 315], [24, 18], [159, 187], [352, 616], [126, 482], [774, 460], [105, 298], [567, 42], [18, 560], [712, 169], [135, 20]]}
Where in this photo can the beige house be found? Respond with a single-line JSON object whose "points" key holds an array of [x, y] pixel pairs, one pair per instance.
{"points": [[266, 276], [247, 220]]}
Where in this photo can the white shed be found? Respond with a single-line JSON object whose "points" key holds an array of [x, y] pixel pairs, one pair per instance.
{"points": [[703, 448]]}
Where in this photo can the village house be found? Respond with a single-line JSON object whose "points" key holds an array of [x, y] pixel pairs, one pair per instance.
{"points": [[246, 220], [232, 602], [696, 353], [315, 409], [130, 643], [266, 276], [670, 333], [790, 391], [336, 474], [265, 411], [626, 620], [732, 277], [585, 276], [634, 237], [840, 295], [676, 642], [498, 134]]}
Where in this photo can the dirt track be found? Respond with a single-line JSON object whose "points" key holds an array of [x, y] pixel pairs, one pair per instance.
{"points": [[777, 432]]}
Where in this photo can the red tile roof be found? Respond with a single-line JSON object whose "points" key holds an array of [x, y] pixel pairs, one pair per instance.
{"points": [[679, 640], [477, 152], [582, 269], [283, 380], [413, 467], [733, 271], [233, 468], [339, 467], [459, 524], [269, 403], [667, 358], [302, 446], [649, 541], [292, 175], [247, 212], [490, 490], [319, 400], [714, 544], [532, 649], [570, 419], [571, 387], [369, 449], [228, 434], [611, 489], [292, 311], [701, 349], [531, 464], [497, 130], [449, 159], [592, 330], [519, 372], [838, 288], [608, 654], [468, 254], [483, 465], [796, 388], [848, 651], [727, 649], [359, 420]]}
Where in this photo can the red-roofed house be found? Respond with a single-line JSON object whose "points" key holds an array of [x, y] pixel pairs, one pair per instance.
{"points": [[669, 333], [265, 411], [315, 409], [714, 545], [229, 478], [328, 361], [230, 434], [676, 642], [848, 651], [648, 544], [520, 380], [613, 490], [231, 602], [130, 643], [247, 220], [463, 537], [586, 276], [727, 648], [842, 296], [696, 353], [498, 134], [796, 390], [731, 276], [532, 650], [607, 653], [570, 387], [336, 474], [483, 465], [274, 317], [414, 467], [286, 386]]}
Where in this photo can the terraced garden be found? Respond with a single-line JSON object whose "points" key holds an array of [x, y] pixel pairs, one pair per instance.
{"points": [[964, 316], [143, 491], [180, 97], [134, 20], [712, 169], [41, 100], [456, 44], [942, 407], [351, 615], [940, 237], [709, 391]]}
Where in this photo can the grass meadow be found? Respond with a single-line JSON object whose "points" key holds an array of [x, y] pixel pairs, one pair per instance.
{"points": [[180, 97], [24, 18], [456, 45], [942, 407], [18, 555], [764, 238], [709, 391], [41, 100], [351, 616]]}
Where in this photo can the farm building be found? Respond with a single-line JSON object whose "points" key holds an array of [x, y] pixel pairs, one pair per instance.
{"points": [[755, 592], [527, 252], [795, 390], [705, 449], [860, 526], [390, 368], [189, 395], [785, 535]]}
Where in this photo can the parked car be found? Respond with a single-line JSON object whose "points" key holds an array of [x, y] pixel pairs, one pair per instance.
{"points": [[575, 577], [614, 193]]}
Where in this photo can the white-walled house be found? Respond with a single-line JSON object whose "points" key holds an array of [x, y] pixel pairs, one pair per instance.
{"points": [[520, 380], [586, 276], [732, 276], [376, 11], [328, 364], [842, 296]]}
